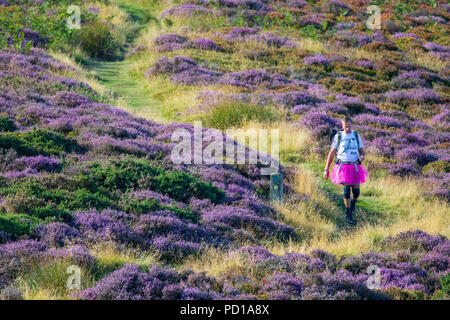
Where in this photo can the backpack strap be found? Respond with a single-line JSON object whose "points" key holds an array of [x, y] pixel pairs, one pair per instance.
{"points": [[336, 160], [357, 140], [339, 139]]}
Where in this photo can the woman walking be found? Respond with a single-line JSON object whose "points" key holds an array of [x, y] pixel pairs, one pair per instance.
{"points": [[348, 150]]}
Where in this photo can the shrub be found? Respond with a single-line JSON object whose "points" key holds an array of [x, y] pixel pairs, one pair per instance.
{"points": [[416, 154], [392, 27], [360, 87], [21, 203], [386, 69], [286, 99], [57, 234], [69, 99], [231, 114], [413, 241], [49, 142], [421, 95], [239, 218], [442, 119], [186, 10], [445, 283], [38, 163], [12, 141], [128, 174], [401, 294], [97, 40], [10, 293], [131, 283], [6, 124], [36, 142], [141, 207], [378, 46], [404, 169], [320, 123], [116, 175], [84, 199], [50, 211], [171, 42], [437, 167], [337, 7], [253, 79], [34, 199], [17, 257], [169, 38], [444, 292], [74, 254], [95, 227], [283, 286], [352, 39], [18, 224], [182, 186], [207, 44], [127, 283], [318, 59], [184, 70], [378, 120], [172, 250], [145, 206]]}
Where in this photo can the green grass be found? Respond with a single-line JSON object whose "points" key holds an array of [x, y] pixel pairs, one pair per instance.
{"points": [[231, 115], [115, 75], [110, 257], [49, 280], [129, 93]]}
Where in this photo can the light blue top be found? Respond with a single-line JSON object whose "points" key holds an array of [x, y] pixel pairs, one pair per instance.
{"points": [[348, 148]]}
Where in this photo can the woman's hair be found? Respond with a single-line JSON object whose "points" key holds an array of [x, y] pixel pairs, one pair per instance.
{"points": [[346, 119]]}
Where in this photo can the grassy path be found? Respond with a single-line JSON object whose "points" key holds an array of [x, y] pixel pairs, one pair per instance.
{"points": [[115, 75]]}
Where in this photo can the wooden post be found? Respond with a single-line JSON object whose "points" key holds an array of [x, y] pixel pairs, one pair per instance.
{"points": [[276, 187]]}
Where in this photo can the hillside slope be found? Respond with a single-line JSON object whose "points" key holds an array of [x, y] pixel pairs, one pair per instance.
{"points": [[78, 175], [85, 183]]}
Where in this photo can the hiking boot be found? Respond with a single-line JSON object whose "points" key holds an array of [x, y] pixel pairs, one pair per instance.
{"points": [[349, 217]]}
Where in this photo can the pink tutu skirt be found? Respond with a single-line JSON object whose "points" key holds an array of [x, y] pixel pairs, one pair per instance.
{"points": [[348, 174]]}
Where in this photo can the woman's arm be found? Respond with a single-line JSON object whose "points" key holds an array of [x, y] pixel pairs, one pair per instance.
{"points": [[362, 154], [326, 172]]}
